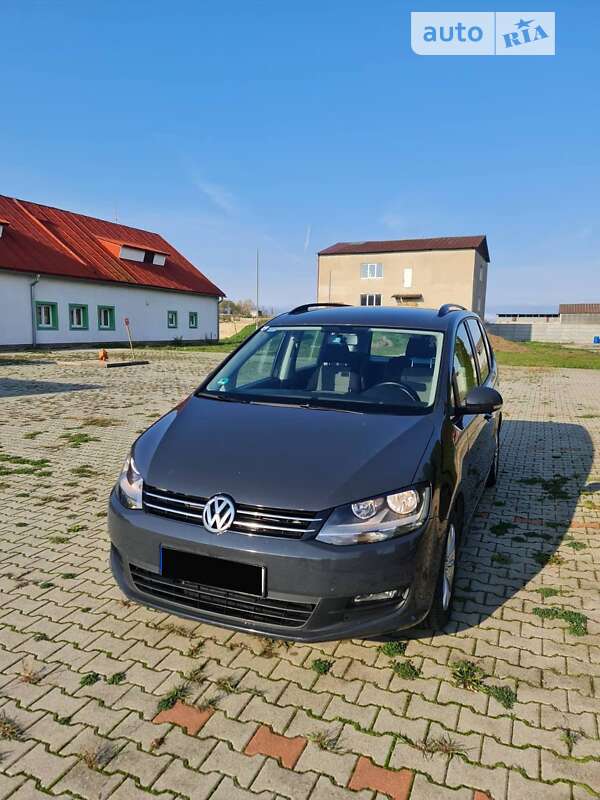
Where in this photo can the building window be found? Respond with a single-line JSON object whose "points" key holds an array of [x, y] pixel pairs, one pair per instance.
{"points": [[78, 317], [370, 299], [407, 278], [371, 271], [46, 316], [481, 270], [193, 319], [106, 318], [171, 319]]}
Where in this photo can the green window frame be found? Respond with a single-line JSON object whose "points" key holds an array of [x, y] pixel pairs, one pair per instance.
{"points": [[171, 319], [107, 312], [83, 316], [41, 316], [193, 318]]}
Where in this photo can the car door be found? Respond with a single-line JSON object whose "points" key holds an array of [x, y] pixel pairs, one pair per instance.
{"points": [[467, 426], [486, 440]]}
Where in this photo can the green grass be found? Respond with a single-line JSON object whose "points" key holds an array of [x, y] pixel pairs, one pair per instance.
{"points": [[406, 670], [223, 346], [393, 648], [321, 666], [577, 622], [178, 693], [89, 679], [546, 354]]}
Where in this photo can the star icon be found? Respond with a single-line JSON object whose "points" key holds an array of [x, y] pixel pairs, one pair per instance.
{"points": [[523, 23]]}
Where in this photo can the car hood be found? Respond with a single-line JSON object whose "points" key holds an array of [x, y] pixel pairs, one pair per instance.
{"points": [[281, 456]]}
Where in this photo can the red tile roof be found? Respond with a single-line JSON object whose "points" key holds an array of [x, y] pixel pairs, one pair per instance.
{"points": [[55, 242], [579, 308], [478, 243]]}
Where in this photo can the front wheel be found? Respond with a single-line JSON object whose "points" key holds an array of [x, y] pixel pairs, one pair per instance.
{"points": [[441, 608]]}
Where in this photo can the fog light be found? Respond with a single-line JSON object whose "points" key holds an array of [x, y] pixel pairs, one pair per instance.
{"points": [[369, 598], [391, 594]]}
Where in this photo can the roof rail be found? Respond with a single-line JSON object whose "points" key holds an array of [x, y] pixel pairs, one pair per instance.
{"points": [[448, 307], [307, 307]]}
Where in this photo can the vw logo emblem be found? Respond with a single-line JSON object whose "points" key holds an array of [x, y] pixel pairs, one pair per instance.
{"points": [[218, 514]]}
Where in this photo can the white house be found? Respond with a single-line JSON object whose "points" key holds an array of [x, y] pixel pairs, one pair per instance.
{"points": [[66, 278]]}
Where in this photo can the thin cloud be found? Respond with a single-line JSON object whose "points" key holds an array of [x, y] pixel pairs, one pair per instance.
{"points": [[392, 220], [307, 238], [218, 195]]}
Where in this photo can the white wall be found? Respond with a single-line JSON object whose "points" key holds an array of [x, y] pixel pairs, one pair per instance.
{"points": [[145, 308]]}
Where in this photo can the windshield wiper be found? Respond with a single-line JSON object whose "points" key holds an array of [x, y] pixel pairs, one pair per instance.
{"points": [[224, 398]]}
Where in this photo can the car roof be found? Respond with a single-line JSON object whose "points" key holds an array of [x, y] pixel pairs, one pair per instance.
{"points": [[372, 316]]}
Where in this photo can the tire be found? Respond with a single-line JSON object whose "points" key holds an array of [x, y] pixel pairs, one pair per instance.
{"points": [[495, 468], [441, 608]]}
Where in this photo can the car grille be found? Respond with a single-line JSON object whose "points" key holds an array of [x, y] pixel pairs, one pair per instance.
{"points": [[222, 601], [248, 519]]}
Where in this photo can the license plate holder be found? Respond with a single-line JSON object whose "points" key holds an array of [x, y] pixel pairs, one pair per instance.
{"points": [[219, 573]]}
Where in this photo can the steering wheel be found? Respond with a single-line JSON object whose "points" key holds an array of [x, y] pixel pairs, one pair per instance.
{"points": [[403, 388]]}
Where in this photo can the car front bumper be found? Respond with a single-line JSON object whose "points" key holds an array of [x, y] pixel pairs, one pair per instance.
{"points": [[300, 573]]}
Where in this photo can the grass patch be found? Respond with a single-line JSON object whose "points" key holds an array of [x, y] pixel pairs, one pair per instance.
{"points": [[321, 666], [468, 675], [501, 558], [441, 744], [548, 591], [58, 539], [406, 670], [46, 585], [547, 354], [393, 649], [228, 685], [175, 695], [98, 422], [574, 543], [84, 471], [543, 558], [76, 528], [9, 728], [89, 679], [117, 678], [77, 439], [18, 465], [33, 434], [501, 528], [326, 740], [577, 622]]}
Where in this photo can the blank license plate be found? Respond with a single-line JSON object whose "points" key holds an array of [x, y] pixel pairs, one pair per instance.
{"points": [[217, 572]]}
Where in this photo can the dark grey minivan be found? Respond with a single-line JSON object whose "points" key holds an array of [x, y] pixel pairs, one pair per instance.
{"points": [[317, 484]]}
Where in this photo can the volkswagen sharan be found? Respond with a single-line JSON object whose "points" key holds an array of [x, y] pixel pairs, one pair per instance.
{"points": [[317, 484]]}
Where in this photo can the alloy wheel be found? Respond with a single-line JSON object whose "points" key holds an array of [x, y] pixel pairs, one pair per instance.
{"points": [[449, 565]]}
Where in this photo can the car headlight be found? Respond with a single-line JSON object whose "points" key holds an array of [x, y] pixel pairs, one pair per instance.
{"points": [[130, 484], [378, 518]]}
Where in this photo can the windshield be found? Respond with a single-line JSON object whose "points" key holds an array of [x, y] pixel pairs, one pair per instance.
{"points": [[346, 367]]}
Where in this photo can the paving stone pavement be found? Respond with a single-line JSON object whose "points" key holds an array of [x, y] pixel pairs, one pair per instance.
{"points": [[505, 704]]}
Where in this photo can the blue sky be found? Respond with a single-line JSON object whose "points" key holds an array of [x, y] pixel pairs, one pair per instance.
{"points": [[290, 125]]}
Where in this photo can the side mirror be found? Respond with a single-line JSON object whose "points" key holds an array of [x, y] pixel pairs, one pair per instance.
{"points": [[481, 400]]}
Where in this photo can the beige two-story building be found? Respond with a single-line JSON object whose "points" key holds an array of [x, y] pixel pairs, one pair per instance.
{"points": [[414, 272]]}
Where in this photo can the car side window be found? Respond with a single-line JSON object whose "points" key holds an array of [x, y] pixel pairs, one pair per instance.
{"points": [[480, 348], [464, 365]]}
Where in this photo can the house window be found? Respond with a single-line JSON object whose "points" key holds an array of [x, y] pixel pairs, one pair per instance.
{"points": [[171, 319], [481, 270], [193, 319], [106, 318], [371, 271], [46, 316], [78, 317], [370, 299], [407, 278]]}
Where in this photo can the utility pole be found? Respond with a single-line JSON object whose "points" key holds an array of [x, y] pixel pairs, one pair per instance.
{"points": [[257, 285]]}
